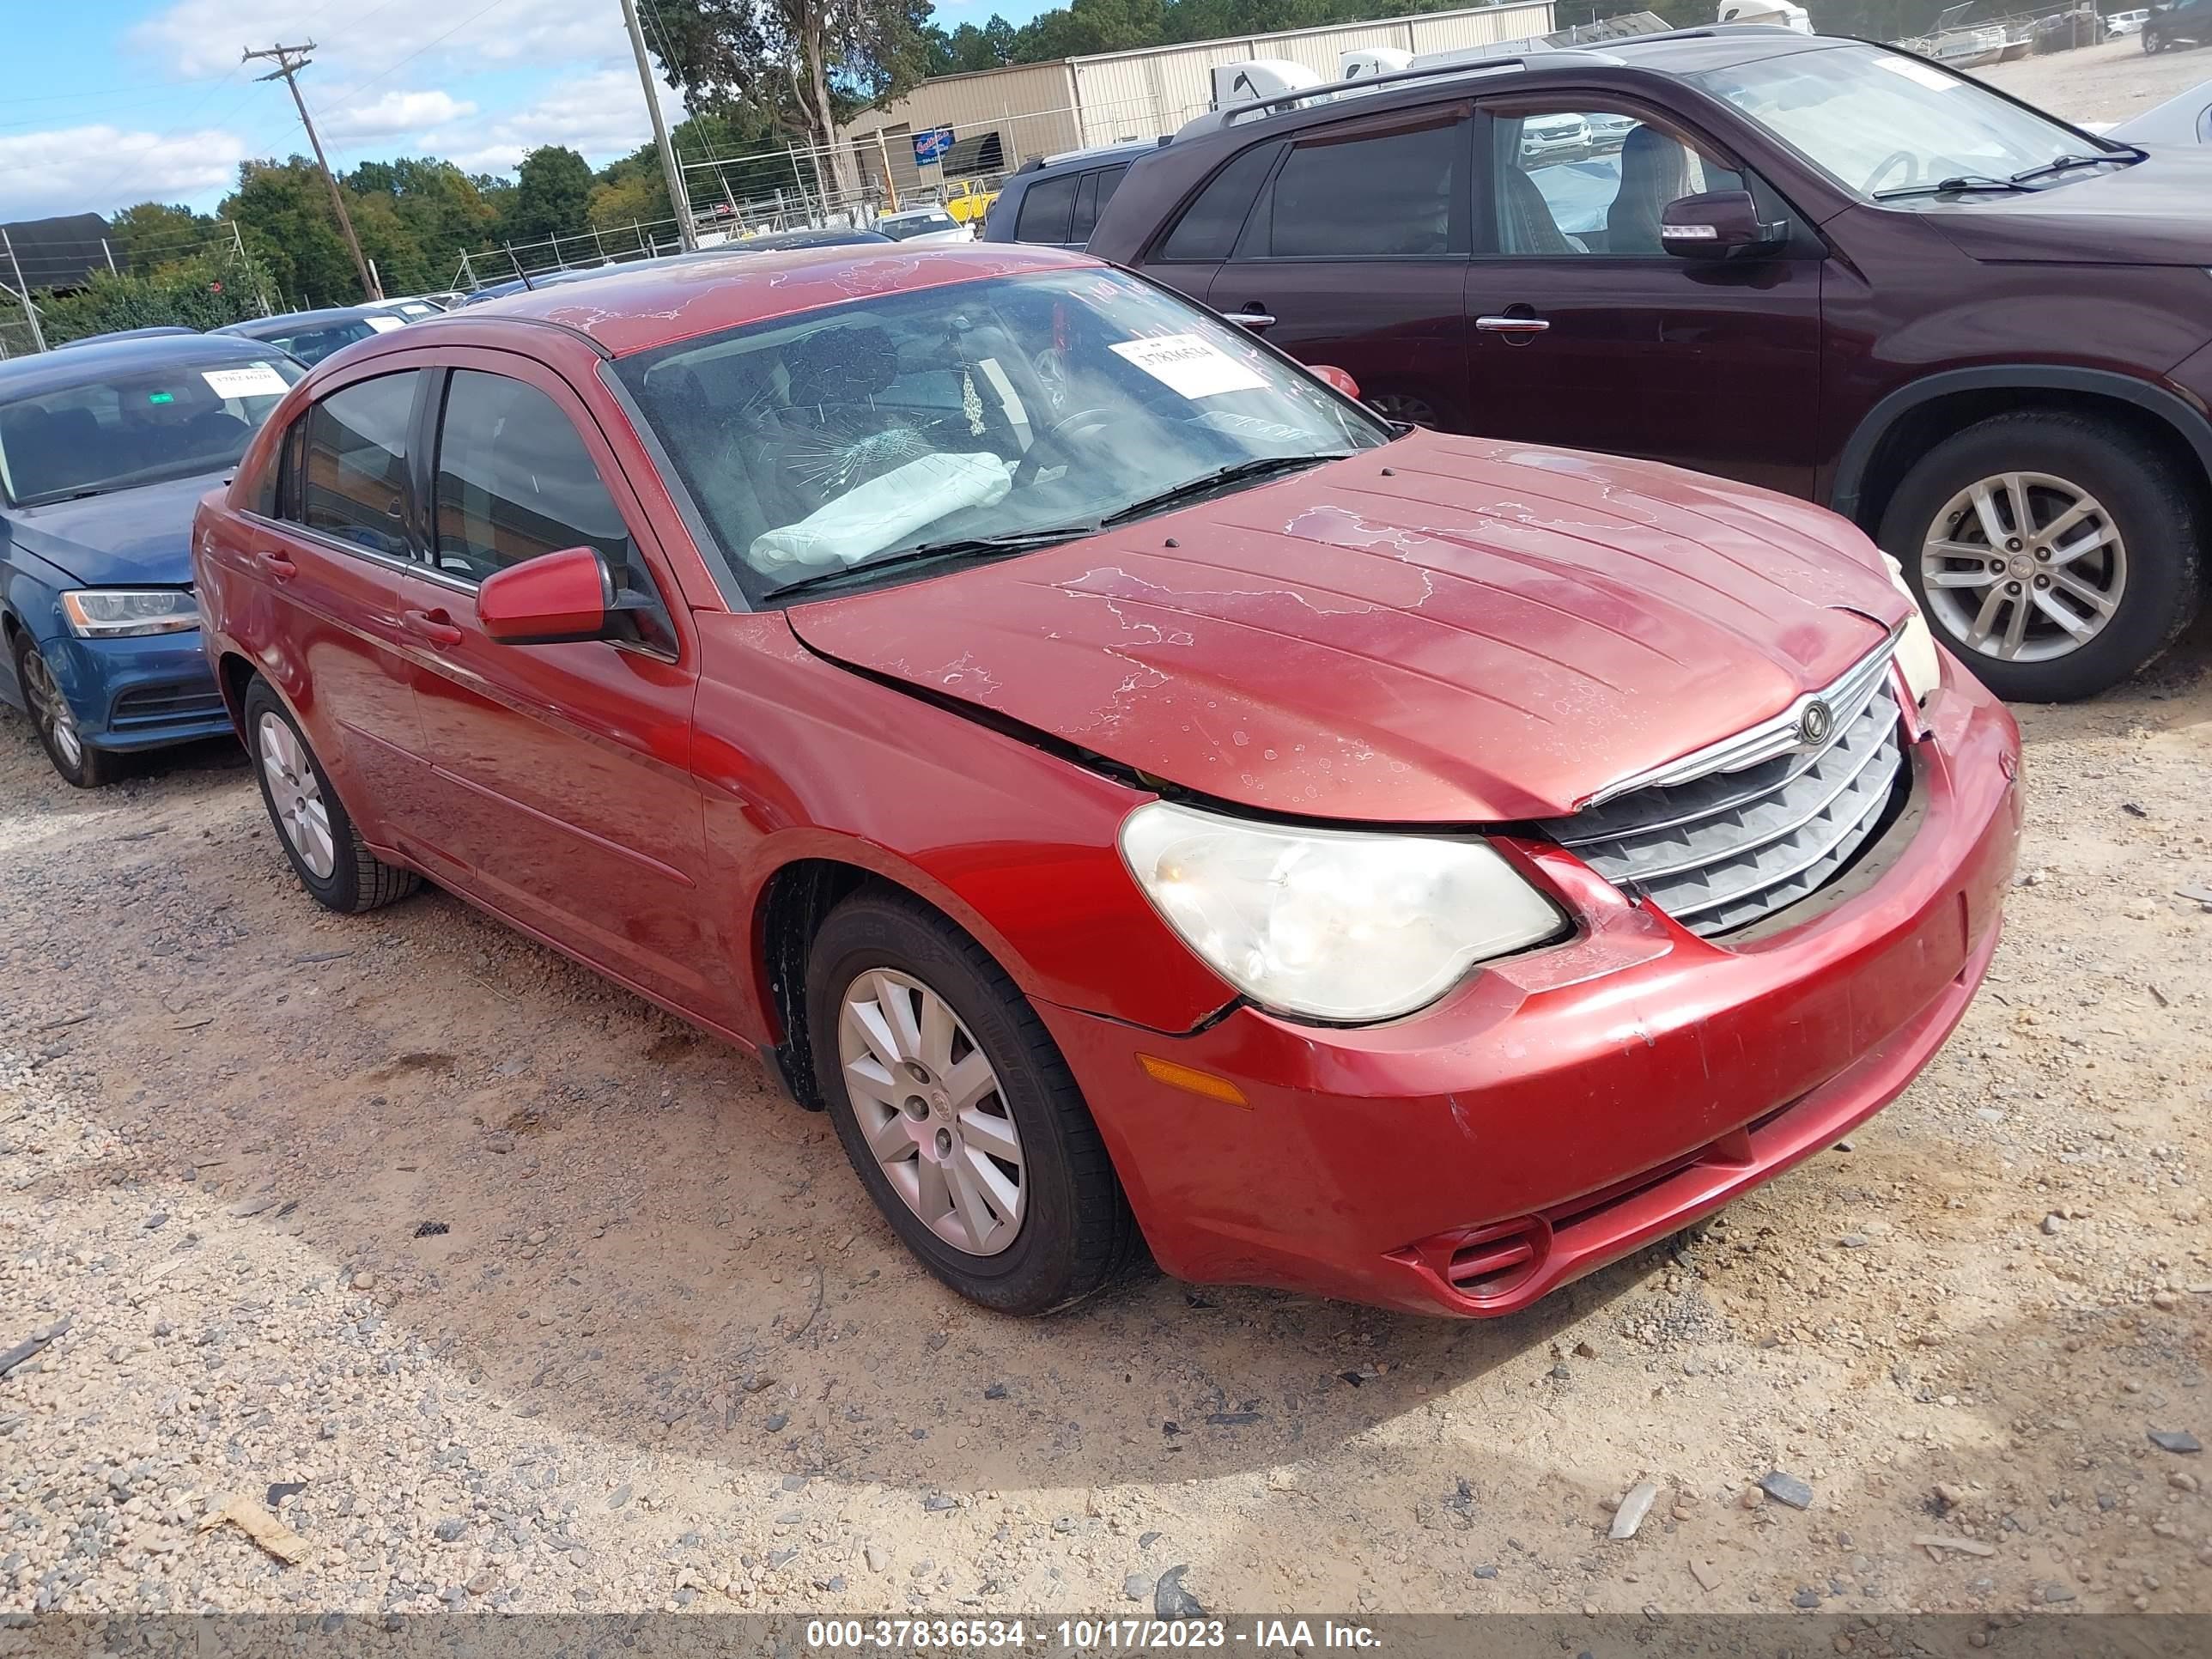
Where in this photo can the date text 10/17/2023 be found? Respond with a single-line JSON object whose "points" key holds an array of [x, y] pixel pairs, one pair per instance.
{"points": [[1084, 1635]]}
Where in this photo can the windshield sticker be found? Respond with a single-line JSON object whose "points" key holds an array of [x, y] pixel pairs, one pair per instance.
{"points": [[1185, 363], [1913, 70], [161, 397], [254, 380], [384, 325]]}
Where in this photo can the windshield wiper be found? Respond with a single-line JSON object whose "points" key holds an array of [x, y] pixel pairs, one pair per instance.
{"points": [[965, 547], [1960, 185], [2067, 163], [1259, 467]]}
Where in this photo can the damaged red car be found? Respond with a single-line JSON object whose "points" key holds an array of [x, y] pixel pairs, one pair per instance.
{"points": [[1148, 800]]}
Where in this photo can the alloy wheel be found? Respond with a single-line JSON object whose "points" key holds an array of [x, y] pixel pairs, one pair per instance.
{"points": [[296, 795], [929, 1105], [51, 709], [2023, 567]]}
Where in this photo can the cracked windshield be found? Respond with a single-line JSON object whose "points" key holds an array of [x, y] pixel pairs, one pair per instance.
{"points": [[972, 420]]}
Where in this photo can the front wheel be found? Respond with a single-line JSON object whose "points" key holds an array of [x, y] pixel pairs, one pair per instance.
{"points": [[77, 762], [957, 1111], [2056, 555]]}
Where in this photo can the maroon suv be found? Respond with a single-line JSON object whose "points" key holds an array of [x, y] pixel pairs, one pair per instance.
{"points": [[1818, 264]]}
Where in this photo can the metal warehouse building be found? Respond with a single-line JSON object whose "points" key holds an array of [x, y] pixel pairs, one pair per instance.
{"points": [[999, 118]]}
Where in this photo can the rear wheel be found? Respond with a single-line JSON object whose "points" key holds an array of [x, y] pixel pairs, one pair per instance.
{"points": [[76, 761], [2056, 555], [957, 1111], [327, 853]]}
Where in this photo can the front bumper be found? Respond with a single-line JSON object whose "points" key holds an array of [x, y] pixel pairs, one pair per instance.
{"points": [[1562, 1109], [138, 693]]}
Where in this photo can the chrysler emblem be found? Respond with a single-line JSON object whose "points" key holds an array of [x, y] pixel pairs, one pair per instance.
{"points": [[1814, 725]]}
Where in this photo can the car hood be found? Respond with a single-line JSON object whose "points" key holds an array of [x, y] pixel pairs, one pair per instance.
{"points": [[2150, 214], [1443, 630], [140, 535]]}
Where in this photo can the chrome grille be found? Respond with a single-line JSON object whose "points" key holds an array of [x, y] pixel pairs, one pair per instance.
{"points": [[1723, 848]]}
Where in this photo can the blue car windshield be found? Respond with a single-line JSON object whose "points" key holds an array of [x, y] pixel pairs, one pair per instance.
{"points": [[138, 427]]}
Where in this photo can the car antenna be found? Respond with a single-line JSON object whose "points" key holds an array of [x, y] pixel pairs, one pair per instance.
{"points": [[519, 270]]}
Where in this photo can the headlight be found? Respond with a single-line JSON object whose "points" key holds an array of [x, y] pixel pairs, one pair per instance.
{"points": [[107, 613], [1916, 646], [1331, 924]]}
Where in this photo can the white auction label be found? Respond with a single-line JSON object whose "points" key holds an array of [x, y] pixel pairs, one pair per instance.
{"points": [[254, 380], [384, 325], [1190, 364]]}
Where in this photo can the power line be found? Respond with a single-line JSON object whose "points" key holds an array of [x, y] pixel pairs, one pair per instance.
{"points": [[289, 61]]}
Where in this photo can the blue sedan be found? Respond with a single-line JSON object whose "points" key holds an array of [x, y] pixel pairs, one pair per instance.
{"points": [[104, 450]]}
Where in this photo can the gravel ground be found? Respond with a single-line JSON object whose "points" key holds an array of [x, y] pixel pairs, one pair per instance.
{"points": [[501, 1288], [2107, 83]]}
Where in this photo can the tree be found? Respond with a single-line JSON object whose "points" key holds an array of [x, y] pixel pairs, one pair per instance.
{"points": [[204, 291], [808, 63], [283, 213], [637, 198], [151, 234], [552, 196], [969, 48]]}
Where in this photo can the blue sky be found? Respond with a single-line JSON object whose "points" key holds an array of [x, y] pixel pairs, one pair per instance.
{"points": [[110, 102]]}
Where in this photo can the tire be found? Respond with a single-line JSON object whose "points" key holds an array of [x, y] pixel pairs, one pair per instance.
{"points": [[335, 865], [2129, 597], [76, 761], [1072, 1232]]}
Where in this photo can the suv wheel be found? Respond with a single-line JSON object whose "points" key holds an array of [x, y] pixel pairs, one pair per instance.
{"points": [[325, 851], [957, 1111], [76, 761], [2054, 554]]}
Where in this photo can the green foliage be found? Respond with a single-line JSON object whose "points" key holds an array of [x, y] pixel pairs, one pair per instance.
{"points": [[203, 292], [149, 235], [552, 196], [283, 210]]}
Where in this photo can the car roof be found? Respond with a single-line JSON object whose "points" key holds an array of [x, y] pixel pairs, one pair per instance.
{"points": [[146, 333], [284, 321], [91, 362], [636, 309], [1085, 158]]}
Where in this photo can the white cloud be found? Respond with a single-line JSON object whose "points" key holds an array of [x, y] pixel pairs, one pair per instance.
{"points": [[601, 114], [97, 168], [394, 113], [196, 37]]}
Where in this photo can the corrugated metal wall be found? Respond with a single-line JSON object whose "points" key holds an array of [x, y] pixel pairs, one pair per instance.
{"points": [[1040, 108]]}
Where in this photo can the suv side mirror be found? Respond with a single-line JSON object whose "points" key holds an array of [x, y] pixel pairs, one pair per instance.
{"points": [[1720, 224], [555, 598]]}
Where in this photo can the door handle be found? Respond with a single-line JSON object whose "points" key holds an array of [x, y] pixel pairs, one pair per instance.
{"points": [[435, 626], [279, 568], [1512, 327], [1251, 317]]}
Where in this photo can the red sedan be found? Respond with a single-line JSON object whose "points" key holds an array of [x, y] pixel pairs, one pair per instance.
{"points": [[1140, 793]]}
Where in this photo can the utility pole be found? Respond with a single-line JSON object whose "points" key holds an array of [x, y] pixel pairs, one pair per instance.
{"points": [[289, 61], [679, 196]]}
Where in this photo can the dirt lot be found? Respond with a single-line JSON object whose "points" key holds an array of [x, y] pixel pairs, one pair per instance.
{"points": [[2101, 83], [536, 1300]]}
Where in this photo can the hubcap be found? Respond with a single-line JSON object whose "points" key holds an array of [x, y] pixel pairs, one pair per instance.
{"points": [[296, 797], [2023, 567], [51, 709], [929, 1107]]}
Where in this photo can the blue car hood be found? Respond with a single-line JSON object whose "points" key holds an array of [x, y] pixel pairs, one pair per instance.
{"points": [[132, 538]]}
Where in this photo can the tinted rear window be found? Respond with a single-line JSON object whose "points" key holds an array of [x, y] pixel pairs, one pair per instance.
{"points": [[1208, 227], [1384, 196], [1047, 211], [1098, 189]]}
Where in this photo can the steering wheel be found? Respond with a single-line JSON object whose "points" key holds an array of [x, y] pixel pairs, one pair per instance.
{"points": [[1057, 434], [1889, 164]]}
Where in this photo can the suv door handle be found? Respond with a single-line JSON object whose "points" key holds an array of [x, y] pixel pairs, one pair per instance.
{"points": [[1251, 317], [279, 568], [434, 626], [1511, 324]]}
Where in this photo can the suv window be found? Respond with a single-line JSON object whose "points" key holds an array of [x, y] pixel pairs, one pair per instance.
{"points": [[1047, 211], [353, 483], [1386, 194], [1209, 226], [1577, 180], [1090, 198], [515, 481]]}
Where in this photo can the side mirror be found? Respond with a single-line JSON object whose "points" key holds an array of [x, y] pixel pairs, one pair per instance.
{"points": [[1720, 224], [552, 599], [1337, 378]]}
